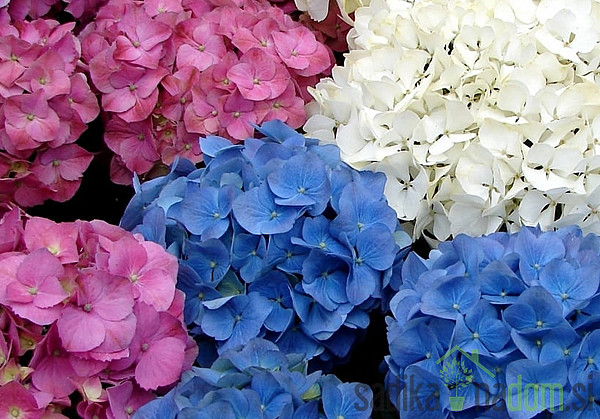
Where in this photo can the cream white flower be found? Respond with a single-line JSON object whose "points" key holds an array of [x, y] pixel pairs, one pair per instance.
{"points": [[483, 114]]}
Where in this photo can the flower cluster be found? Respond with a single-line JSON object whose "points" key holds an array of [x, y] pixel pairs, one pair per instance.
{"points": [[89, 314], [277, 238], [45, 104], [35, 9], [167, 72], [506, 322], [482, 114], [332, 30], [259, 381]]}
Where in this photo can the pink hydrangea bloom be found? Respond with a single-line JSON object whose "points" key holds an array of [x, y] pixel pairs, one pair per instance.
{"points": [[17, 402], [216, 68]]}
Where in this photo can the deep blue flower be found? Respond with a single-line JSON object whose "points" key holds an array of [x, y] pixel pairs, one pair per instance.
{"points": [[359, 211], [317, 321], [500, 284], [588, 358], [536, 252], [281, 133], [340, 399], [273, 398], [284, 254], [417, 345], [571, 286], [248, 256], [325, 278], [453, 297], [205, 210], [535, 312], [316, 235], [583, 401], [302, 182], [238, 320], [275, 286], [196, 292], [210, 259], [481, 330], [423, 395], [258, 213]]}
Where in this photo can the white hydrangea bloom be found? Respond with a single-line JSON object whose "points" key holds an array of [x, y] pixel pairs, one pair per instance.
{"points": [[483, 114]]}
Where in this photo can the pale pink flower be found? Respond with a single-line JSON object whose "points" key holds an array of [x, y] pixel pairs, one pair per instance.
{"points": [[177, 92], [259, 36], [16, 55], [287, 107], [238, 115], [58, 238], [299, 49], [81, 98]]}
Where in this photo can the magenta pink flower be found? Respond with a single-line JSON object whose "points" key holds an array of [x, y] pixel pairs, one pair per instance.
{"points": [[11, 230], [258, 77], [16, 56], [287, 107], [177, 92], [141, 39], [53, 372], [299, 49], [215, 77], [100, 317], [133, 142], [157, 7], [203, 115], [48, 74], [58, 239], [157, 350], [260, 36], [201, 45], [126, 398], [20, 9], [18, 402], [149, 269], [183, 144], [134, 93], [28, 117], [35, 291], [238, 115], [82, 100]]}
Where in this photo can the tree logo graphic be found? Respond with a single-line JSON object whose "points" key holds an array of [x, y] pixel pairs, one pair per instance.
{"points": [[456, 375]]}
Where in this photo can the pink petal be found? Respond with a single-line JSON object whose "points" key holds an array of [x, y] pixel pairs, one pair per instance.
{"points": [[80, 331], [40, 316], [161, 364], [142, 108], [127, 257], [118, 101]]}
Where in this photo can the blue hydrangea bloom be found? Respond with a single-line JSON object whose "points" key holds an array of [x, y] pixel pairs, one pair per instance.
{"points": [[283, 218], [520, 331], [260, 381]]}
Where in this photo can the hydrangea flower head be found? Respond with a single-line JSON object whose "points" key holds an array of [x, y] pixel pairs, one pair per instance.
{"points": [[87, 313], [275, 237], [481, 115], [476, 324]]}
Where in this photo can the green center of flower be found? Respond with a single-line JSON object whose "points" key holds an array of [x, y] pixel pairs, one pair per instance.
{"points": [[134, 278], [503, 294], [428, 355], [359, 261], [475, 335], [136, 44], [564, 296], [144, 347], [566, 351], [274, 215], [141, 137], [324, 274], [201, 48], [590, 361], [129, 410], [302, 190], [56, 352], [276, 105], [214, 113], [236, 114], [263, 43], [55, 163], [182, 100], [253, 253], [323, 245], [43, 80], [87, 307], [132, 87], [539, 323], [294, 53], [255, 81], [187, 147], [538, 342], [455, 306], [216, 215], [238, 317], [360, 226], [30, 117], [32, 291], [13, 57], [201, 295], [15, 412], [213, 264]]}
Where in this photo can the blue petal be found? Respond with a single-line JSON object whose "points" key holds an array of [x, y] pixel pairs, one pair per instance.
{"points": [[257, 212], [453, 297]]}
